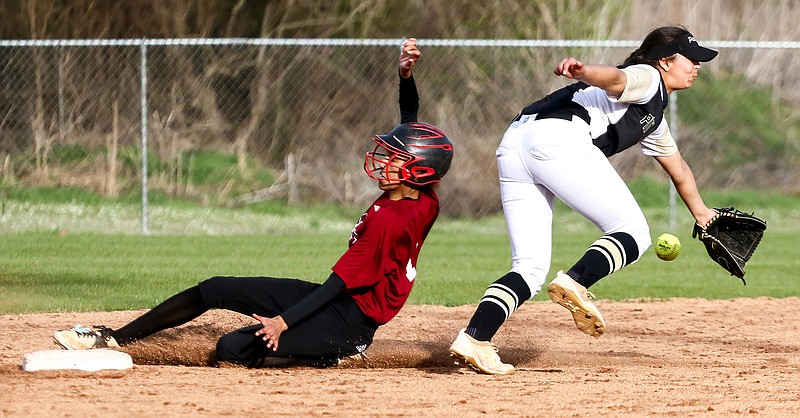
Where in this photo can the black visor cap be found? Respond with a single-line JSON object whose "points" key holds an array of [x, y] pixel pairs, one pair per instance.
{"points": [[686, 46]]}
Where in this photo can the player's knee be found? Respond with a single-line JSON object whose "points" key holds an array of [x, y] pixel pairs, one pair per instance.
{"points": [[213, 291], [212, 283], [231, 348], [225, 350]]}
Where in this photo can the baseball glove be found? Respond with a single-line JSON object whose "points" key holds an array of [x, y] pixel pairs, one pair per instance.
{"points": [[730, 238]]}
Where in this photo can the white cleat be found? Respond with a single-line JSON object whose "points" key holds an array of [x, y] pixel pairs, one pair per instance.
{"points": [[481, 355], [568, 293], [83, 338]]}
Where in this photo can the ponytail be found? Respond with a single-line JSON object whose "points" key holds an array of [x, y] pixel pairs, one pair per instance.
{"points": [[654, 39]]}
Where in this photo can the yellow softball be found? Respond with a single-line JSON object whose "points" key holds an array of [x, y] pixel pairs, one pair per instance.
{"points": [[667, 247]]}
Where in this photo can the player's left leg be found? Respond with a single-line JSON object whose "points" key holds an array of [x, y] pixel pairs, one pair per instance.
{"points": [[176, 310]]}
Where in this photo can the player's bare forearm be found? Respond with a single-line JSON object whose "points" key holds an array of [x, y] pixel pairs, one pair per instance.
{"points": [[610, 79], [685, 184], [688, 192]]}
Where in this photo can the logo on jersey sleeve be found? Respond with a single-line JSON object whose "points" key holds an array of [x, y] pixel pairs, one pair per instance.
{"points": [[356, 229], [647, 122], [411, 272]]}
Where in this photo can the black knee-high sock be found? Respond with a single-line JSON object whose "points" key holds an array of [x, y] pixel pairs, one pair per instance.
{"points": [[178, 309], [500, 300], [605, 256]]}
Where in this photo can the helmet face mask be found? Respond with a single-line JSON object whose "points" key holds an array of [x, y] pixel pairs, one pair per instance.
{"points": [[414, 154], [386, 165]]}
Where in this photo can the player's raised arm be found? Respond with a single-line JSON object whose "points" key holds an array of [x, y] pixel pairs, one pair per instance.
{"points": [[610, 79], [409, 99]]}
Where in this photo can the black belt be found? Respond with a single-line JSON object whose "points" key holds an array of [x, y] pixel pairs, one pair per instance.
{"points": [[565, 113]]}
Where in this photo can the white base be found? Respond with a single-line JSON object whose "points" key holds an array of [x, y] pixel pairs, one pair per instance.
{"points": [[86, 360]]}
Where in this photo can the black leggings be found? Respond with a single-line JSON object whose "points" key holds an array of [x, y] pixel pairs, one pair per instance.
{"points": [[336, 330]]}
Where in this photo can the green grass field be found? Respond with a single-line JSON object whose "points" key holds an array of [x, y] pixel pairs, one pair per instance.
{"points": [[60, 270]]}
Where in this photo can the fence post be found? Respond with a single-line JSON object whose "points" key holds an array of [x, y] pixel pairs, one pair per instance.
{"points": [[61, 95], [143, 97], [293, 196], [673, 122]]}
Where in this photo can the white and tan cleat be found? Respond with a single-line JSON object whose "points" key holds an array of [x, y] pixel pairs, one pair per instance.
{"points": [[480, 355], [568, 293], [84, 338]]}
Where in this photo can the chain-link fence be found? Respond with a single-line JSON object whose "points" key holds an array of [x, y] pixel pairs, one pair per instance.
{"points": [[241, 120]]}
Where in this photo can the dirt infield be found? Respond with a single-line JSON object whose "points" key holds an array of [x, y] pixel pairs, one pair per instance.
{"points": [[685, 357]]}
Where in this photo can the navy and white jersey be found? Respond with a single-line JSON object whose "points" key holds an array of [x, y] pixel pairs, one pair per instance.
{"points": [[615, 123]]}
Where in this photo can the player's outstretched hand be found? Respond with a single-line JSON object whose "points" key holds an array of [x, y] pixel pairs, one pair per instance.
{"points": [[409, 54], [273, 327], [570, 68], [703, 218]]}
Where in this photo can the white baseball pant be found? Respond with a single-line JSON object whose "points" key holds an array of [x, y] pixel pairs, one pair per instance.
{"points": [[538, 160]]}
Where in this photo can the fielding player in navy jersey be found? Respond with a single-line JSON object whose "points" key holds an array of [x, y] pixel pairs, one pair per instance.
{"points": [[369, 284], [557, 148]]}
